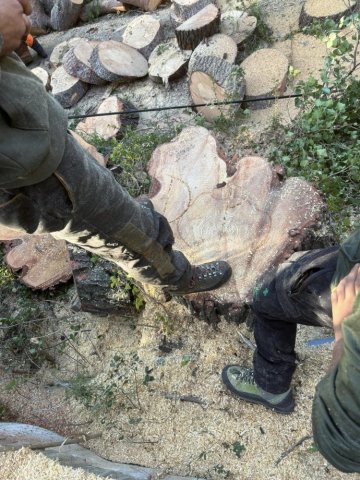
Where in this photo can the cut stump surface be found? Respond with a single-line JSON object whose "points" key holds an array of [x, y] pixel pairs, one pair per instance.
{"points": [[77, 62], [238, 25], [143, 33], [167, 62], [319, 10], [219, 45], [201, 25], [67, 89], [251, 219]]}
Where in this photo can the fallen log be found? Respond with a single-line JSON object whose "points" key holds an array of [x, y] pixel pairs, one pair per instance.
{"points": [[144, 34], [335, 9], [147, 5], [198, 27], [116, 62], [43, 261], [108, 126], [65, 14], [77, 62], [167, 62], [219, 45], [265, 73], [97, 8], [57, 55], [67, 89], [212, 80], [252, 219], [238, 25]]}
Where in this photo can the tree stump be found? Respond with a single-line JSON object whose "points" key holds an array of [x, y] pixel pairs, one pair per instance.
{"points": [[182, 10], [116, 62], [215, 80], [67, 89], [143, 33], [238, 25], [43, 261], [77, 62], [314, 10], [201, 25], [219, 45], [251, 219], [43, 75], [65, 14], [57, 55], [40, 21], [108, 126], [265, 73], [167, 62], [96, 8], [147, 5]]}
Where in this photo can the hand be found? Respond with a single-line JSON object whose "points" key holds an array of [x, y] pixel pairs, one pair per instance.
{"points": [[14, 23]]}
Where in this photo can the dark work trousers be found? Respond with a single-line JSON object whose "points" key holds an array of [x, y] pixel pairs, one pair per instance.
{"points": [[83, 204], [299, 292]]}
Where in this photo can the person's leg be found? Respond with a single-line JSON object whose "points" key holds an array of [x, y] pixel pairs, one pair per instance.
{"points": [[298, 293], [83, 204]]}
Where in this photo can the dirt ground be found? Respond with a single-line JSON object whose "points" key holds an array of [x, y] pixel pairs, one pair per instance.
{"points": [[169, 408]]}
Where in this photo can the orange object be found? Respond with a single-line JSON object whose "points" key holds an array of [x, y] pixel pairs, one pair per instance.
{"points": [[29, 40]]}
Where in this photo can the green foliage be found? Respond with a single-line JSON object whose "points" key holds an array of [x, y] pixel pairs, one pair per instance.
{"points": [[121, 282], [238, 448], [323, 144], [321, 28], [6, 276], [131, 154], [164, 323]]}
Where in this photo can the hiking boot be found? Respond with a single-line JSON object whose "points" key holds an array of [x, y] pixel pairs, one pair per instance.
{"points": [[207, 276], [240, 381]]}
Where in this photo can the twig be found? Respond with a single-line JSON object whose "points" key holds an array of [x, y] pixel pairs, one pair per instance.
{"points": [[247, 342], [184, 398], [43, 445], [290, 449]]}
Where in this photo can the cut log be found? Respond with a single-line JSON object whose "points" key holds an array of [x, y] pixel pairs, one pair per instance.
{"points": [[24, 53], [200, 26], [251, 219], [219, 45], [116, 62], [265, 73], [77, 62], [96, 8], [90, 149], [314, 10], [167, 62], [185, 9], [43, 261], [48, 5], [108, 126], [67, 89], [65, 14], [43, 75], [143, 33], [215, 80], [238, 25], [40, 21], [147, 5], [57, 55]]}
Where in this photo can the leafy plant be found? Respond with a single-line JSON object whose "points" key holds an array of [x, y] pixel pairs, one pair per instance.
{"points": [[124, 285], [238, 448]]}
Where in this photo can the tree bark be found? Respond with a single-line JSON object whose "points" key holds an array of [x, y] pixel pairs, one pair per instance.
{"points": [[144, 34], [77, 62], [116, 62], [147, 5], [96, 8], [334, 9], [40, 21], [202, 25], [185, 9], [215, 80], [250, 219], [67, 89], [167, 62], [57, 55], [219, 45], [65, 14], [238, 25]]}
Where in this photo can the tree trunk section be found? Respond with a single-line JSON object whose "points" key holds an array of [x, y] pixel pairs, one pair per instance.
{"points": [[65, 14], [147, 5], [219, 45], [43, 75], [215, 80], [116, 62], [97, 8], [40, 21], [67, 90], [251, 219], [107, 127], [265, 73], [238, 25], [144, 34], [77, 62], [57, 55], [202, 25], [314, 10], [48, 5], [184, 9], [167, 62]]}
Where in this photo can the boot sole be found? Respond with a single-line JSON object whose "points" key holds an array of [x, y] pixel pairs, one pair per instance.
{"points": [[284, 407]]}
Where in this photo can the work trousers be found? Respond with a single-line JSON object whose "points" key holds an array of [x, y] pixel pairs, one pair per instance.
{"points": [[299, 292], [83, 204]]}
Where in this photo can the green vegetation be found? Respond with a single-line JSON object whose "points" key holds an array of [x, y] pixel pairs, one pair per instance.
{"points": [[323, 143], [123, 284]]}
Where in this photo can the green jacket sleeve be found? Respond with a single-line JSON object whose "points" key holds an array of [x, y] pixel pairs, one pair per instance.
{"points": [[336, 407], [32, 127]]}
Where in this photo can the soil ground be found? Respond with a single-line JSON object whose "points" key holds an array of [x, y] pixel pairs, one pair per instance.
{"points": [[169, 408]]}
